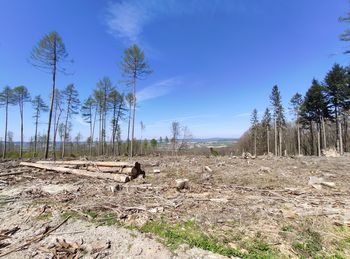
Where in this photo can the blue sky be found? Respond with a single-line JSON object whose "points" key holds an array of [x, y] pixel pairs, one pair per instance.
{"points": [[214, 61]]}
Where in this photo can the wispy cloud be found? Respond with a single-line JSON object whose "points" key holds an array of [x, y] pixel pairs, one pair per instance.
{"points": [[182, 119], [126, 19], [158, 89]]}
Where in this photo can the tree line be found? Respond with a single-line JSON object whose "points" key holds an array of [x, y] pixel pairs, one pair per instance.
{"points": [[104, 108], [320, 119]]}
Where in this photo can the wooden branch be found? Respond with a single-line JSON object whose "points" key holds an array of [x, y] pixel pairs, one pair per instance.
{"points": [[116, 177], [13, 173], [36, 239]]}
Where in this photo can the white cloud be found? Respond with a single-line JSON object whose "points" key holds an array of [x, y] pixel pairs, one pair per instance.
{"points": [[158, 89], [126, 19]]}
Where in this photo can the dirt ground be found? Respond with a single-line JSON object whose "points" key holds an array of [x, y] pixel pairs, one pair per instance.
{"points": [[250, 208]]}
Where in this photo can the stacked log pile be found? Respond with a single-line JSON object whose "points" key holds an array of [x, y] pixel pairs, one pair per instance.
{"points": [[117, 171]]}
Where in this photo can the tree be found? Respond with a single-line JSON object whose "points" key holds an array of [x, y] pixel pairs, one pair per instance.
{"points": [[58, 110], [39, 106], [134, 68], [101, 95], [143, 126], [70, 95], [175, 133], [337, 93], [279, 119], [313, 109], [48, 55], [6, 99], [130, 100], [21, 95], [153, 143], [117, 105], [89, 116], [296, 103], [266, 124], [254, 126]]}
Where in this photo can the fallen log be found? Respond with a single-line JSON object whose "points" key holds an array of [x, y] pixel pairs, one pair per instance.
{"points": [[90, 163], [116, 177], [131, 171]]}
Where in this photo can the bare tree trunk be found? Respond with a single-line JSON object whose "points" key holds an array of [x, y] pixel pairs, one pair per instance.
{"points": [[21, 112], [298, 136], [268, 140], [318, 140], [65, 131], [280, 140], [255, 143], [113, 130], [276, 148], [312, 138], [340, 139], [100, 132], [345, 133], [93, 131], [52, 101], [133, 117], [128, 140], [36, 132], [324, 134], [6, 123]]}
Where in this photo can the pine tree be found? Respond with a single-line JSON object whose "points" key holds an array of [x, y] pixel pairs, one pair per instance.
{"points": [[296, 103], [21, 96], [101, 96], [39, 106], [49, 53], [70, 95], [338, 94], [254, 127], [279, 119], [130, 99], [89, 116], [6, 99], [117, 106], [134, 68], [266, 124], [58, 110], [314, 109]]}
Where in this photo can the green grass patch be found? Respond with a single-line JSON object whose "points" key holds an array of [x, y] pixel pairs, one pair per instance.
{"points": [[190, 233], [96, 217], [309, 244], [45, 216]]}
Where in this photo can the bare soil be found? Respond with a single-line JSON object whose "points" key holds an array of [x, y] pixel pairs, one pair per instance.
{"points": [[241, 201]]}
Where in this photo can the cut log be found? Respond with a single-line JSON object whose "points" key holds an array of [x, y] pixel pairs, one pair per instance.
{"points": [[131, 171], [116, 177], [90, 163], [181, 184]]}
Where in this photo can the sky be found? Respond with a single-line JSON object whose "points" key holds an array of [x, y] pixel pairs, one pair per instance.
{"points": [[213, 61]]}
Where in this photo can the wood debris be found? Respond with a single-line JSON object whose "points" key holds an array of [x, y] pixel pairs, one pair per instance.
{"points": [[63, 249], [118, 171]]}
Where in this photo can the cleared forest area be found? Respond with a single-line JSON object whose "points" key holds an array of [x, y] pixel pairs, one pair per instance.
{"points": [[185, 206]]}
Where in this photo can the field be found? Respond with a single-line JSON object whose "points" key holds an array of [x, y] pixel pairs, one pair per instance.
{"points": [[246, 208]]}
